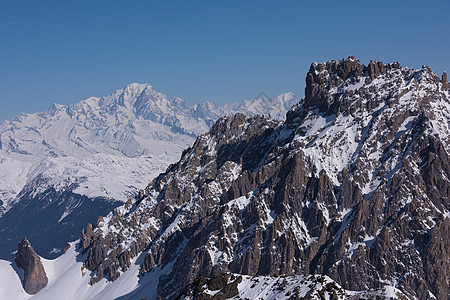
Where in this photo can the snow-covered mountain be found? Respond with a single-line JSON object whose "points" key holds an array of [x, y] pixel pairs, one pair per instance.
{"points": [[65, 166], [348, 197]]}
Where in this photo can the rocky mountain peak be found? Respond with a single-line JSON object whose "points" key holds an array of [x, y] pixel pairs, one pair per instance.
{"points": [[35, 278], [352, 89], [324, 78]]}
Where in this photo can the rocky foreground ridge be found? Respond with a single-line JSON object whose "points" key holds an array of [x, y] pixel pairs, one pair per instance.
{"points": [[353, 185], [233, 286]]}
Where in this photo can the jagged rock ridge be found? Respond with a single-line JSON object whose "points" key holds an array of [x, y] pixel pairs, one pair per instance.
{"points": [[353, 185]]}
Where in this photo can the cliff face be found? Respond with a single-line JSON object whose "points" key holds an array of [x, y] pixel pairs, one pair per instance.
{"points": [[353, 185], [35, 278]]}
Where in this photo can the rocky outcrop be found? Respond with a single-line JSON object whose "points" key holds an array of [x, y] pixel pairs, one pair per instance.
{"points": [[353, 185], [444, 81], [34, 278]]}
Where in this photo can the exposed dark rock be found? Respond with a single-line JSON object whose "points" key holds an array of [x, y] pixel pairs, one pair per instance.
{"points": [[35, 278]]}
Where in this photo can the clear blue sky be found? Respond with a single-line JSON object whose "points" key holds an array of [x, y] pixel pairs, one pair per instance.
{"points": [[65, 51]]}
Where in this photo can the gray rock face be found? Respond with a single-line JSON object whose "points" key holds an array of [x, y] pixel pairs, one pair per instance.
{"points": [[35, 278], [353, 185]]}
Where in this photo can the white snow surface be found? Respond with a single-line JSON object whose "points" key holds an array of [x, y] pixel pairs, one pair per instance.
{"points": [[10, 284]]}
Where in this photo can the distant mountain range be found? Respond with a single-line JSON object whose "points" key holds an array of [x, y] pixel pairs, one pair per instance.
{"points": [[62, 168]]}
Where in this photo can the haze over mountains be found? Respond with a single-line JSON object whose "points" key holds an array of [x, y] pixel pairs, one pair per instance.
{"points": [[63, 167], [348, 197]]}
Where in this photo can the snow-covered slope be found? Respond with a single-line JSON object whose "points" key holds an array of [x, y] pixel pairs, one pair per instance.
{"points": [[68, 279], [104, 148]]}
